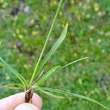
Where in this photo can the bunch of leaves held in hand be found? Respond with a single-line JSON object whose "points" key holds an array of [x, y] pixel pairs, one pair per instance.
{"points": [[38, 75]]}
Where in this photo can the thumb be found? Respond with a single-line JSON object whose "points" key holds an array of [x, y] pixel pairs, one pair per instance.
{"points": [[11, 102], [26, 106]]}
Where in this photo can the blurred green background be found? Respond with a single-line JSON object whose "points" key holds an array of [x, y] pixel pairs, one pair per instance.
{"points": [[24, 25]]}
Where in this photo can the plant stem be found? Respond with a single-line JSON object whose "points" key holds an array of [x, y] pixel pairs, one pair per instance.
{"points": [[28, 96], [44, 47]]}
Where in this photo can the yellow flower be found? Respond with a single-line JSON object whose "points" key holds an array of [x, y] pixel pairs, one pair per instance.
{"points": [[72, 2], [14, 46], [91, 27], [80, 81], [32, 21], [103, 51], [17, 31], [75, 54], [55, 2], [92, 92], [3, 6], [91, 39], [80, 4], [7, 77], [20, 36], [96, 7], [85, 51], [99, 40], [14, 35], [34, 33], [25, 66], [85, 92], [37, 26], [60, 13]]}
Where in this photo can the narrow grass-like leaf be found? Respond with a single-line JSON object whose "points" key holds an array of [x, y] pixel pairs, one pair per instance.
{"points": [[19, 76], [47, 75], [50, 72], [54, 47], [73, 95], [15, 84], [50, 94], [47, 39], [72, 63], [2, 65]]}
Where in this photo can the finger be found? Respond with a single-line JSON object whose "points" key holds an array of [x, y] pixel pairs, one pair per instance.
{"points": [[11, 102], [26, 106]]}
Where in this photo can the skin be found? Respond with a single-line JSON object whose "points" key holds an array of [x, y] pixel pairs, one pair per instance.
{"points": [[26, 106], [11, 102]]}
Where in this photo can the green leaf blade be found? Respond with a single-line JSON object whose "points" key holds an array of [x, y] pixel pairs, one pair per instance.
{"points": [[2, 65], [47, 39], [47, 75], [50, 94], [54, 47], [73, 95], [72, 63], [15, 84], [18, 75]]}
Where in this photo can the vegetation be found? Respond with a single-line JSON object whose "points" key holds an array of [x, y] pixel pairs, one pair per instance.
{"points": [[27, 23]]}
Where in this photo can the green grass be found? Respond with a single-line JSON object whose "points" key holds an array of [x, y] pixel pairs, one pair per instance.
{"points": [[88, 35]]}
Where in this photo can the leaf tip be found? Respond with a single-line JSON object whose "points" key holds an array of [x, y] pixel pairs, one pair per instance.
{"points": [[67, 24]]}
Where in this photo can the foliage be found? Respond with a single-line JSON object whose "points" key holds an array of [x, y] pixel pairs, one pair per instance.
{"points": [[88, 35]]}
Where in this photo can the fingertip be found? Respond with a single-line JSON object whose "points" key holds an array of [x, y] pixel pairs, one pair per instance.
{"points": [[36, 100]]}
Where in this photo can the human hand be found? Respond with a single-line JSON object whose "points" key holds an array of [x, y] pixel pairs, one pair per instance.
{"points": [[10, 103]]}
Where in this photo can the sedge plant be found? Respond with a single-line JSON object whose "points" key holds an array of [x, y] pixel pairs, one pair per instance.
{"points": [[38, 76]]}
